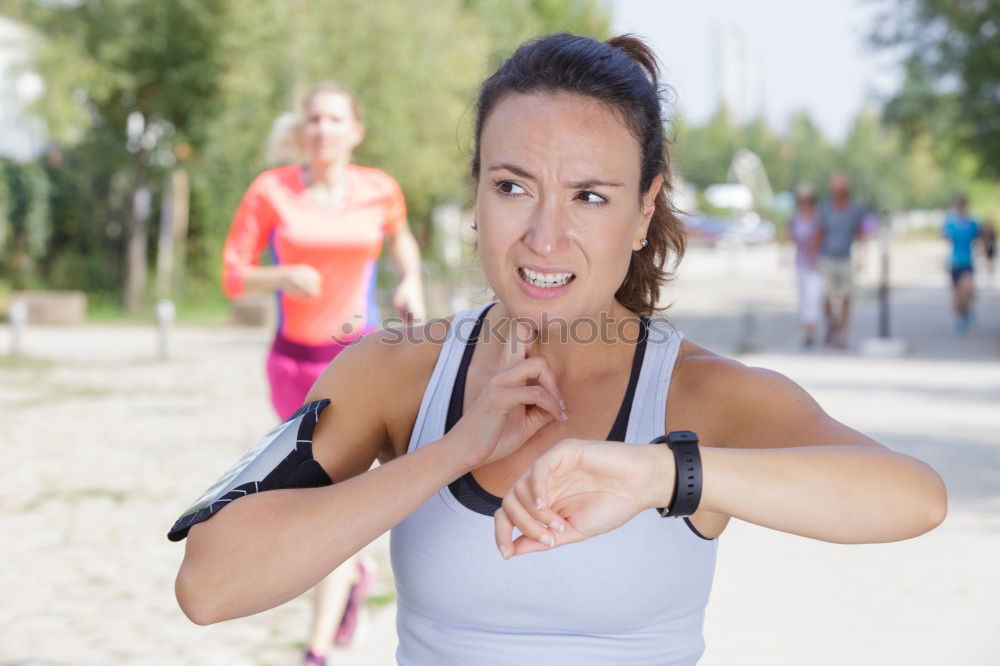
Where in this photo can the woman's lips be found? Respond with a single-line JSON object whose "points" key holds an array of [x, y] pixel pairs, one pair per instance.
{"points": [[543, 293]]}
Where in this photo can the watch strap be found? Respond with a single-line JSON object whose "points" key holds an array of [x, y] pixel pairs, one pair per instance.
{"points": [[688, 474]]}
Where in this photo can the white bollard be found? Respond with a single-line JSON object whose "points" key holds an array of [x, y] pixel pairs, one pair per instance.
{"points": [[18, 324], [165, 314]]}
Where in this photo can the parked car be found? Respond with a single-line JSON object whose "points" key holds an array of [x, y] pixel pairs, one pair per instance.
{"points": [[746, 229]]}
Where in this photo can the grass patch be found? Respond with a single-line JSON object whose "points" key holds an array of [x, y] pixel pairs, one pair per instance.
{"points": [[64, 391], [26, 363], [73, 497], [377, 601], [203, 309], [59, 393]]}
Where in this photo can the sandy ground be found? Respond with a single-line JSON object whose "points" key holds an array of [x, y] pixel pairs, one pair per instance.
{"points": [[103, 447]]}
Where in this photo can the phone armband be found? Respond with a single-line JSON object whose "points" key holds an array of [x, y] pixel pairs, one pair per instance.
{"points": [[282, 458]]}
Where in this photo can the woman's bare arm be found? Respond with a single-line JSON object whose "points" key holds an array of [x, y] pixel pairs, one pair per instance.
{"points": [[770, 456], [408, 299], [267, 548], [780, 461]]}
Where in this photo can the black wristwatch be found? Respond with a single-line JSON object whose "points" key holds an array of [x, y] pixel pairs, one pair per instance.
{"points": [[688, 478]]}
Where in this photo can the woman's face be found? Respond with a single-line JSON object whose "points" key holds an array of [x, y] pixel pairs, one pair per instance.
{"points": [[329, 131], [557, 204]]}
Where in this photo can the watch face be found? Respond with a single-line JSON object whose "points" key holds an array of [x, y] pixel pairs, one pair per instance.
{"points": [[682, 437]]}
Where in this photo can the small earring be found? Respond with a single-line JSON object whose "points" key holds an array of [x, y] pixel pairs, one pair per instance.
{"points": [[644, 242], [473, 226]]}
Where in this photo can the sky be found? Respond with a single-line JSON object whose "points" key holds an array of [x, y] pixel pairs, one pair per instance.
{"points": [[812, 54]]}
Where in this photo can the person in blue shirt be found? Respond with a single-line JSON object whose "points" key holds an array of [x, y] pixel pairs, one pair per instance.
{"points": [[962, 231]]}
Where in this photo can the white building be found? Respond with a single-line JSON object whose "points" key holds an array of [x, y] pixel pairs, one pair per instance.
{"points": [[22, 136], [739, 73]]}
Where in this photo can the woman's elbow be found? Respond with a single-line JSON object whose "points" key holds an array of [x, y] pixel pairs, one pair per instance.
{"points": [[928, 506], [194, 598], [937, 502]]}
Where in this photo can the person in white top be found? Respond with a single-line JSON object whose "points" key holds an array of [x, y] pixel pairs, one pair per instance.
{"points": [[575, 234], [805, 231]]}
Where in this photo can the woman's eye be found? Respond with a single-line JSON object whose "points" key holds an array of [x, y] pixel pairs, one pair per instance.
{"points": [[592, 198], [507, 187]]}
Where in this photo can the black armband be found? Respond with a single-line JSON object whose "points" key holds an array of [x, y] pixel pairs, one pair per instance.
{"points": [[687, 476], [282, 458]]}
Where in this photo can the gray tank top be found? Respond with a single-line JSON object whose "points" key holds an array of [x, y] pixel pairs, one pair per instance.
{"points": [[635, 595]]}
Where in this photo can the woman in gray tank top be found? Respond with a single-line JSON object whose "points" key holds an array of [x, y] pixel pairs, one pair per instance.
{"points": [[524, 498]]}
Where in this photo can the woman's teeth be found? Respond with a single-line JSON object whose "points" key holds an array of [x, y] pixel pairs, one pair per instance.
{"points": [[545, 280]]}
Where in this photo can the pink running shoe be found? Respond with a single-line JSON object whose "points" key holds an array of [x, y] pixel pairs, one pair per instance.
{"points": [[314, 659], [367, 568]]}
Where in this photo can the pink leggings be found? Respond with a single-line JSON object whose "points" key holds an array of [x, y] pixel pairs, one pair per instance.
{"points": [[292, 369]]}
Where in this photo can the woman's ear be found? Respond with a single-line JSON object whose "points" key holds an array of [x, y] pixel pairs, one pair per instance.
{"points": [[648, 208], [299, 132], [649, 198], [359, 134]]}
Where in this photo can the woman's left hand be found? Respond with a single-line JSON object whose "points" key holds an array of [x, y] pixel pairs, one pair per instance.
{"points": [[409, 300], [579, 489]]}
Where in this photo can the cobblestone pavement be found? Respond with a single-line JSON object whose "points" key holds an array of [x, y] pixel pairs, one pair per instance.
{"points": [[104, 446]]}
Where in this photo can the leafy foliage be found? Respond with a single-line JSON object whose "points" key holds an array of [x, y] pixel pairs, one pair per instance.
{"points": [[24, 220], [951, 55], [208, 78], [886, 171]]}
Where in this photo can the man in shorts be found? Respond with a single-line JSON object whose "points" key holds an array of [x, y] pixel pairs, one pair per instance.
{"points": [[841, 223], [961, 230]]}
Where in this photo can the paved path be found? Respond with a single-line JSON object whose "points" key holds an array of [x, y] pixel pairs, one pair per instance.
{"points": [[103, 447]]}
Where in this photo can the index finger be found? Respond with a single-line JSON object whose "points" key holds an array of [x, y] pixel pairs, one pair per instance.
{"points": [[515, 349]]}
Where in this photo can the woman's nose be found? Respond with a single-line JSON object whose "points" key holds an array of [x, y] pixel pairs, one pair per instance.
{"points": [[546, 234]]}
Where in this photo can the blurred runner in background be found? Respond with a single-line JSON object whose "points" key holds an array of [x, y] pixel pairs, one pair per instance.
{"points": [[961, 231], [323, 223]]}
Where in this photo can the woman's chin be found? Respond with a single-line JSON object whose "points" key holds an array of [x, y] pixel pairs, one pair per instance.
{"points": [[541, 314]]}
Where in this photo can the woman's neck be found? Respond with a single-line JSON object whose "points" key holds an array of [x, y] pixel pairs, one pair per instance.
{"points": [[579, 349], [328, 175]]}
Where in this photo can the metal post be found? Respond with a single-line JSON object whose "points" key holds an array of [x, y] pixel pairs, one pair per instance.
{"points": [[883, 345], [883, 289], [747, 343]]}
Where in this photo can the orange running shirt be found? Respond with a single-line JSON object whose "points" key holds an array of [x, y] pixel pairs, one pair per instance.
{"points": [[278, 214]]}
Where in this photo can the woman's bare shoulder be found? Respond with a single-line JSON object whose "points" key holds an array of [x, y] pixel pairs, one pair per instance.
{"points": [[724, 397], [701, 369], [382, 377], [386, 355]]}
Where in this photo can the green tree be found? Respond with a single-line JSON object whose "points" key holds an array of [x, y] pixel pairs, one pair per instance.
{"points": [[208, 78], [759, 137], [810, 156], [703, 153], [25, 225], [133, 97], [952, 70], [873, 159]]}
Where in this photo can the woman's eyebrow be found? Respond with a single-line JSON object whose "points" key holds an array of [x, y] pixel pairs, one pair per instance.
{"points": [[594, 182], [513, 168], [578, 184]]}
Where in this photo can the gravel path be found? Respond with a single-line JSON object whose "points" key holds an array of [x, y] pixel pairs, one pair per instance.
{"points": [[103, 447]]}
